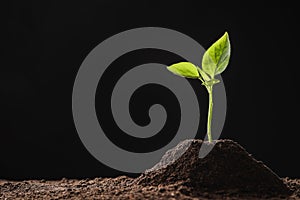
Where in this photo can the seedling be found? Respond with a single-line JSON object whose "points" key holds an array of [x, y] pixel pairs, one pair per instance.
{"points": [[214, 62]]}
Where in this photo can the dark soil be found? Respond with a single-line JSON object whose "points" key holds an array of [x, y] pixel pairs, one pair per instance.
{"points": [[227, 172]]}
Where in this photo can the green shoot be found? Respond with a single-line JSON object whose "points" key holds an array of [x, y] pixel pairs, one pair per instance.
{"points": [[214, 62]]}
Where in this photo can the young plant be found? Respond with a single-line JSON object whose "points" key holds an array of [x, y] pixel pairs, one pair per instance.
{"points": [[214, 62]]}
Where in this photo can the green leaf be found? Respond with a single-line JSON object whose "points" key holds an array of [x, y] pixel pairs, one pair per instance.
{"points": [[184, 69], [204, 75], [216, 58], [213, 81]]}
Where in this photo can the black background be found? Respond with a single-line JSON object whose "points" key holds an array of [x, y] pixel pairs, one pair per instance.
{"points": [[48, 40]]}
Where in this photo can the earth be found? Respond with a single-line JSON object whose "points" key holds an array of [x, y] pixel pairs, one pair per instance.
{"points": [[227, 172]]}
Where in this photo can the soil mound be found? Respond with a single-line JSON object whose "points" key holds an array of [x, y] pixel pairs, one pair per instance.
{"points": [[228, 168]]}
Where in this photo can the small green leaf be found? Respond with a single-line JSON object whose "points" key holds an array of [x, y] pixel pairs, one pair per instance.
{"points": [[204, 75], [212, 82], [216, 58], [184, 69]]}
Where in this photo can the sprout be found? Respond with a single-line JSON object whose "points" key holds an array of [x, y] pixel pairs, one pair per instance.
{"points": [[214, 62]]}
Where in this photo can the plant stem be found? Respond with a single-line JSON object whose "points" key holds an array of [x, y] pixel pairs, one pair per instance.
{"points": [[210, 109]]}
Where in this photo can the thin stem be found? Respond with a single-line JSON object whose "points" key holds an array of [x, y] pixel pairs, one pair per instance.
{"points": [[210, 109]]}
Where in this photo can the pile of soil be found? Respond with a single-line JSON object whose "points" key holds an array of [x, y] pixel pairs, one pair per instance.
{"points": [[227, 172], [228, 168]]}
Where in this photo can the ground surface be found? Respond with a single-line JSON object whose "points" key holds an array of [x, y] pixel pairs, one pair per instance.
{"points": [[118, 188], [228, 172]]}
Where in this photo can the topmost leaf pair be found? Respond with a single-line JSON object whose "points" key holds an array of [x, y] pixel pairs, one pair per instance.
{"points": [[214, 62]]}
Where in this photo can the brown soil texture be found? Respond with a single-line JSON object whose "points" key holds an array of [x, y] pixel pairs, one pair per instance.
{"points": [[227, 172]]}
